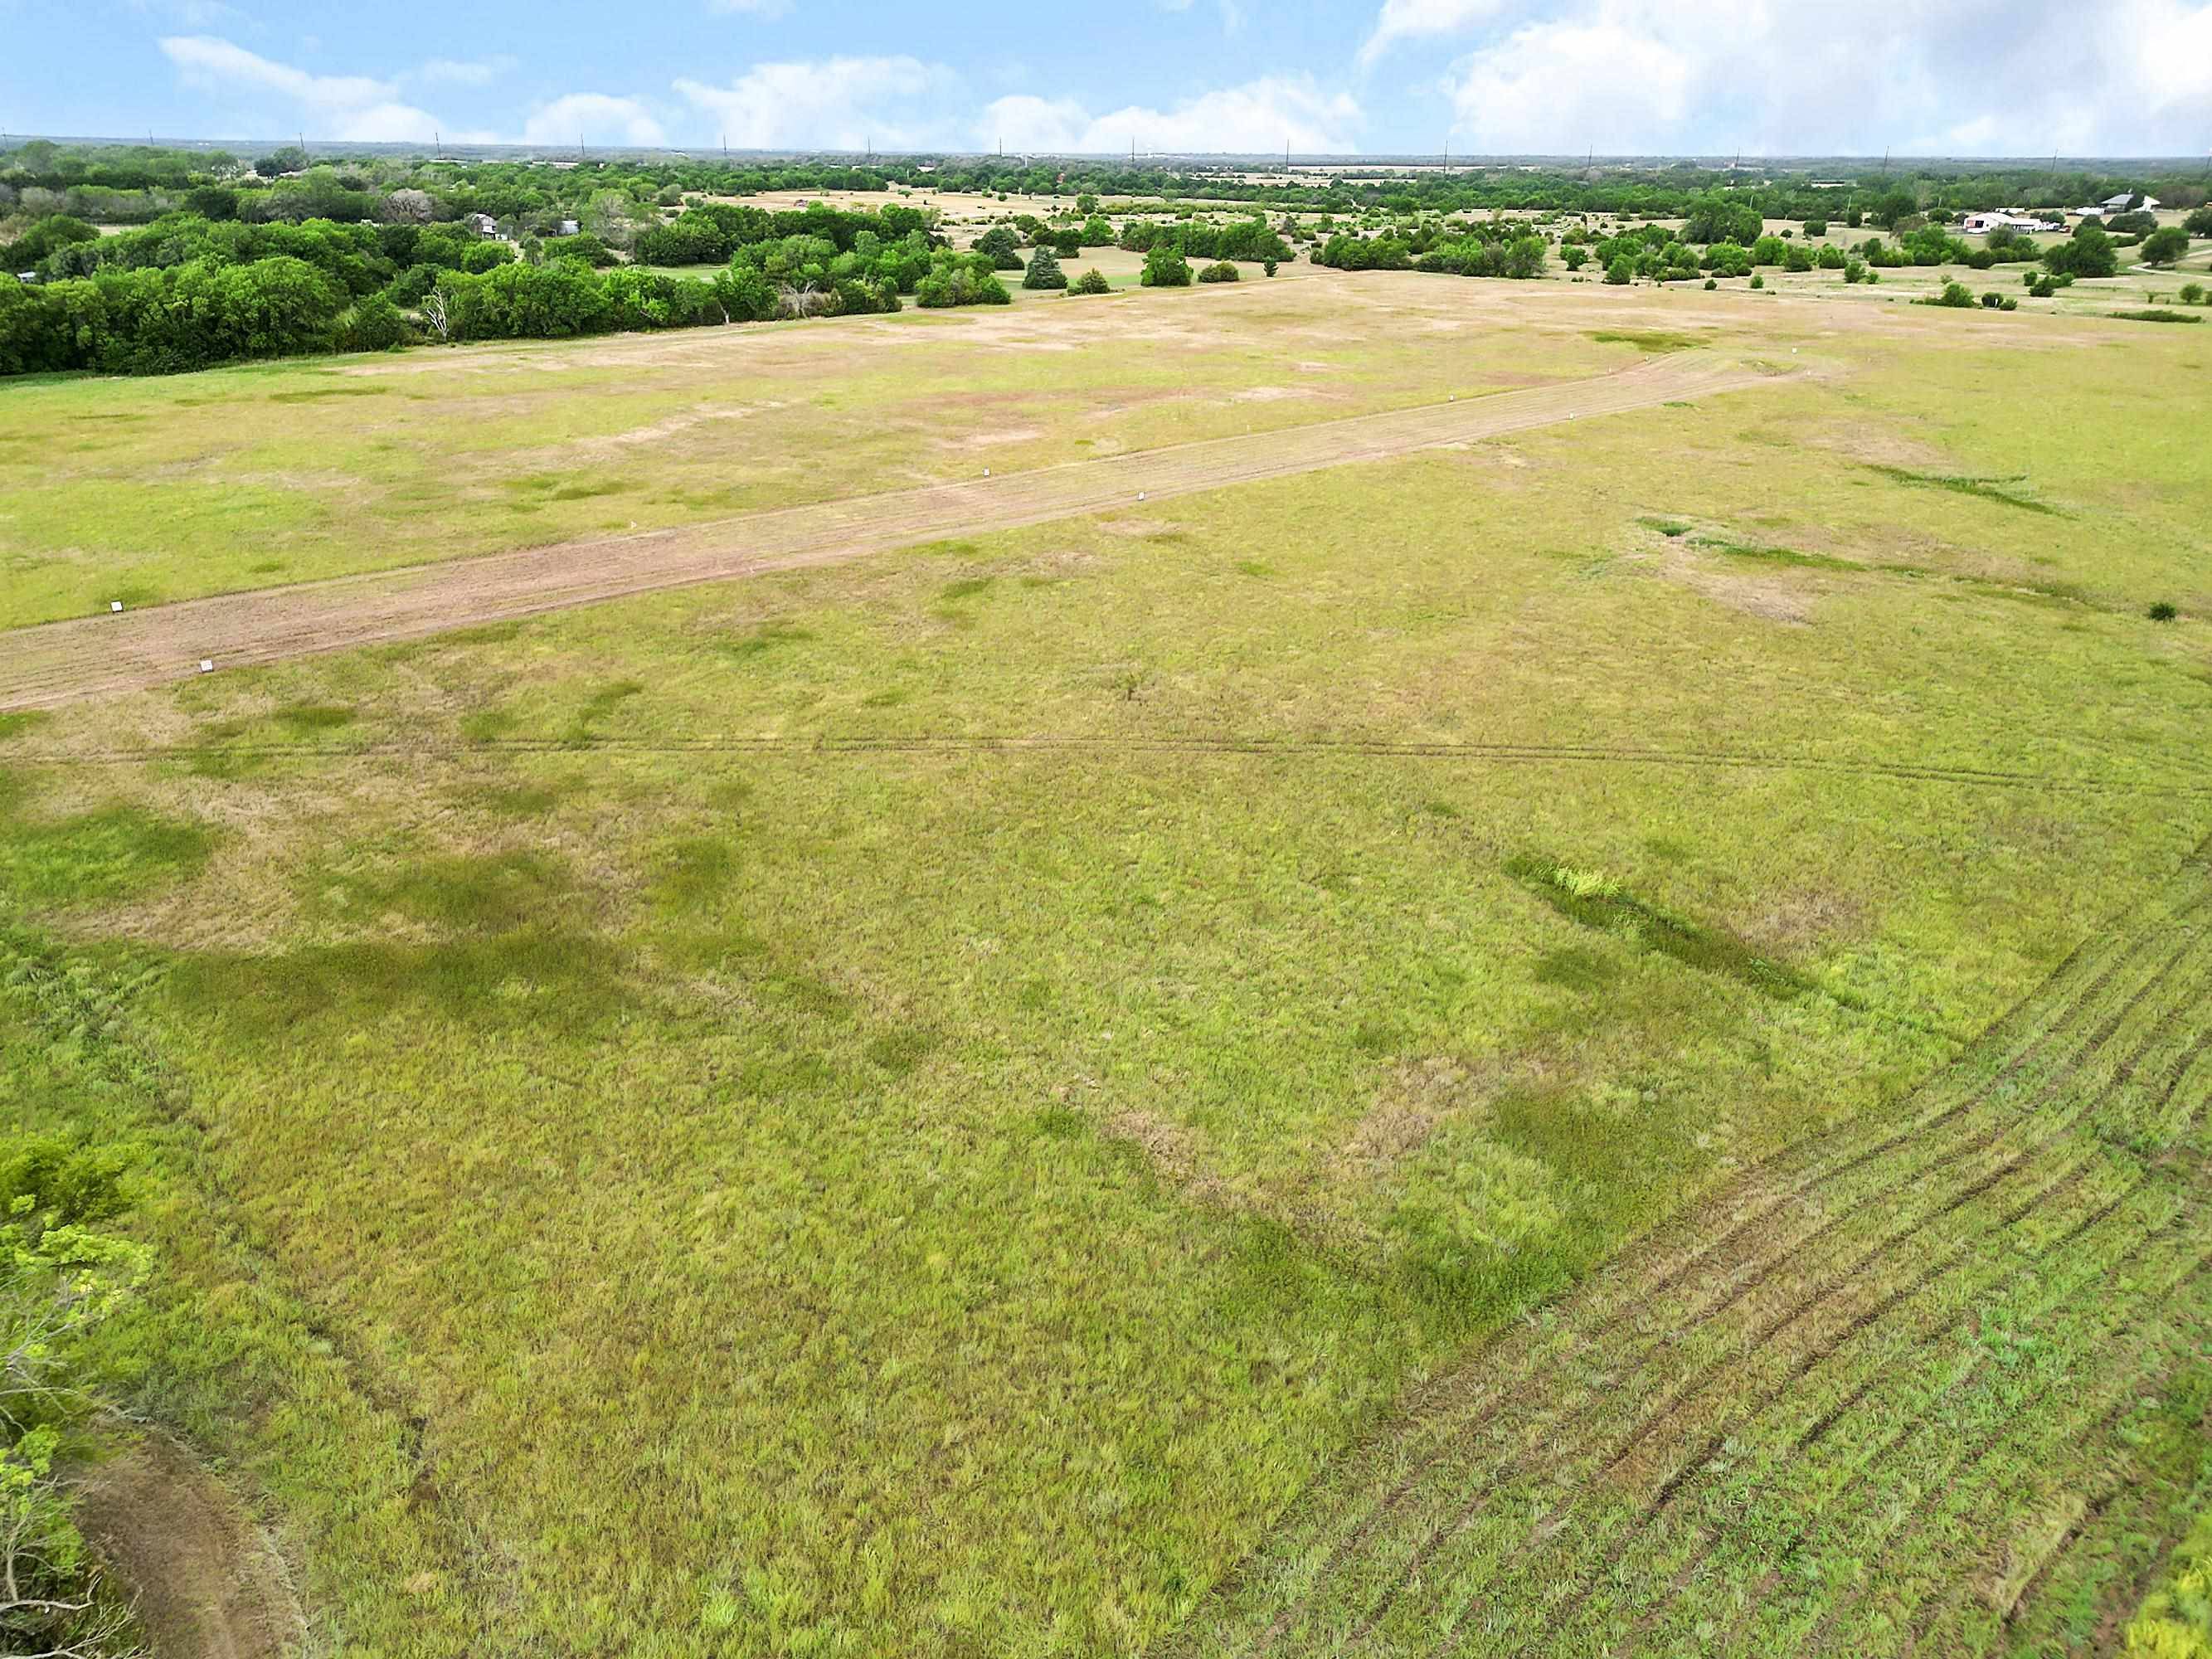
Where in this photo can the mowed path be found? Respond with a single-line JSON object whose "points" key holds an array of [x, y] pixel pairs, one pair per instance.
{"points": [[65, 662], [1900, 1392]]}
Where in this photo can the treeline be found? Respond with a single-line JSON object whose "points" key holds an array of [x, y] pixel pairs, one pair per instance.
{"points": [[1239, 238], [291, 183], [709, 233], [1496, 249], [325, 288]]}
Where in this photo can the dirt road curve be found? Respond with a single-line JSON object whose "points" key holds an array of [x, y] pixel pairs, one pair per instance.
{"points": [[71, 661]]}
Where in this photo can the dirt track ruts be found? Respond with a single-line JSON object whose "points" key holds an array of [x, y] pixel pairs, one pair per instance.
{"points": [[1777, 1429], [59, 663]]}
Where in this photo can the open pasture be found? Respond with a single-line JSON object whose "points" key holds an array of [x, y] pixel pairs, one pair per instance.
{"points": [[1050, 1090]]}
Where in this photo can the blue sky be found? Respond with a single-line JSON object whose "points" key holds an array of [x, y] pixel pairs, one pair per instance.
{"points": [[1556, 76]]}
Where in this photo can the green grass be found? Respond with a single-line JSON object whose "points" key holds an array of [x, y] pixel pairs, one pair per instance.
{"points": [[1988, 490], [1007, 1064]]}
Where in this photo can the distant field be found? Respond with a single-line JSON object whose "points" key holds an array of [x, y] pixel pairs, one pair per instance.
{"points": [[1052, 1091]]}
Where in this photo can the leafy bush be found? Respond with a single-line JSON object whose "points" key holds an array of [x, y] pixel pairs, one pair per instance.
{"points": [[2192, 294], [372, 323], [2162, 612], [2156, 314], [1220, 271], [2163, 247], [59, 1278], [1091, 283], [1165, 267], [2088, 252], [1957, 295]]}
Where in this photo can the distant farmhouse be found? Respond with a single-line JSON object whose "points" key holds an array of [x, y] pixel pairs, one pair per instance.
{"points": [[1980, 224], [2111, 204]]}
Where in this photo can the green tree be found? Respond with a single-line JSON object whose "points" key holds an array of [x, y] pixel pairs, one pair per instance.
{"points": [[2088, 252], [1621, 272], [1220, 271], [1044, 271], [1086, 205], [2163, 247], [998, 244], [1091, 283], [1165, 267]]}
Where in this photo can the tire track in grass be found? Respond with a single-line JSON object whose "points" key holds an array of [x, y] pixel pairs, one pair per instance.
{"points": [[1271, 748], [1477, 1507], [2102, 978], [2087, 1277], [1511, 1449], [1741, 1422]]}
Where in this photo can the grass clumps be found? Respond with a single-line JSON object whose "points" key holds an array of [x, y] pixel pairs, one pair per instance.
{"points": [[2176, 1621], [1765, 554], [1987, 490], [1671, 529], [1657, 341], [2163, 611], [1598, 901], [2156, 314]]}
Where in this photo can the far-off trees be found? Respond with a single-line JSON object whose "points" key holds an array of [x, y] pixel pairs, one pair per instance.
{"points": [[2088, 252], [999, 244], [1044, 271], [2163, 247]]}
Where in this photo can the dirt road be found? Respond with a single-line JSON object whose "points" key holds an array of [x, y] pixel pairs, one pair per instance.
{"points": [[69, 661], [205, 1585]]}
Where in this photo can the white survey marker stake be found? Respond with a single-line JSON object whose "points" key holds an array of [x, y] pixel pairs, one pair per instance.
{"points": [[206, 666], [114, 605], [987, 472]]}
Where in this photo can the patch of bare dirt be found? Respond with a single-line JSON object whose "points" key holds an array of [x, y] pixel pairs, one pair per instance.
{"points": [[205, 1583]]}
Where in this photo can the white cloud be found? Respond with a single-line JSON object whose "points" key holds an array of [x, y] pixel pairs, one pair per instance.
{"points": [[1574, 85], [1257, 117], [837, 103], [1960, 77], [594, 118], [1403, 20], [349, 106]]}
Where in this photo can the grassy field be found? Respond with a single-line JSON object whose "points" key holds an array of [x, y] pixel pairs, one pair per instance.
{"points": [[942, 1105]]}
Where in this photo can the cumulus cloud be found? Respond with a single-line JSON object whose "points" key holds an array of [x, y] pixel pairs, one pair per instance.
{"points": [[1966, 76], [595, 117], [352, 107], [1260, 115], [1404, 20], [834, 103]]}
